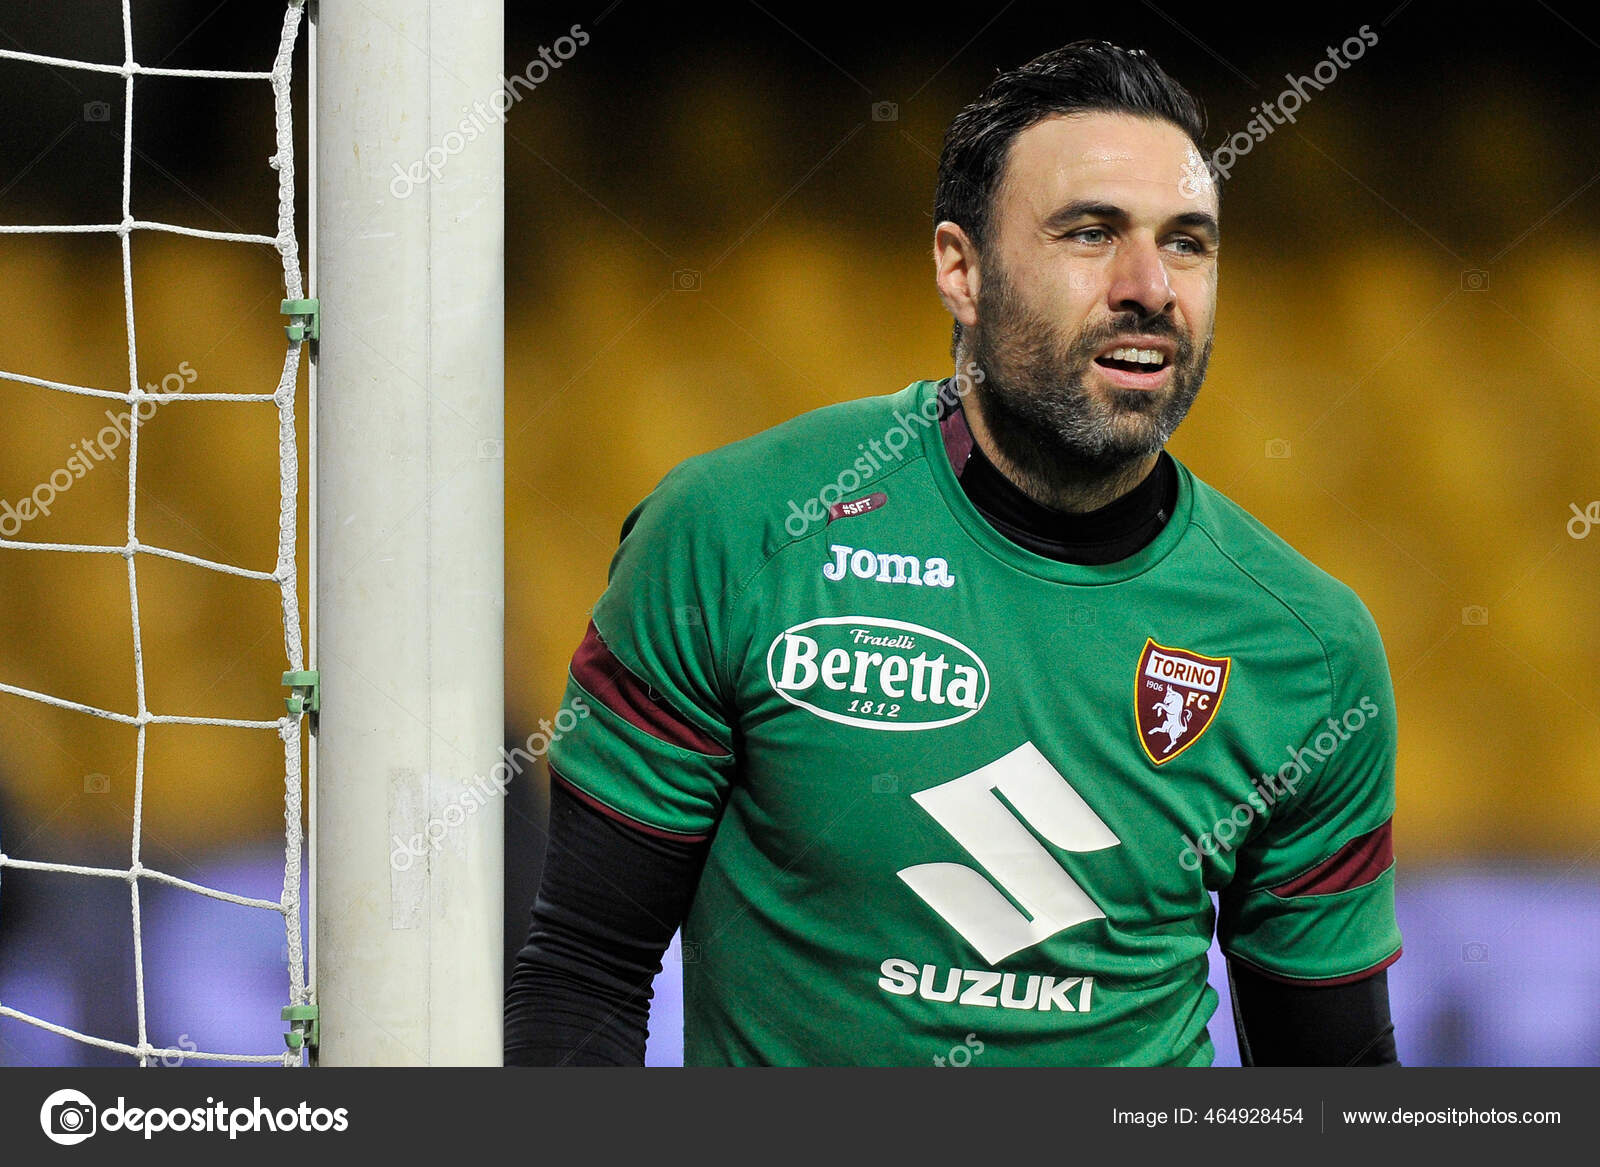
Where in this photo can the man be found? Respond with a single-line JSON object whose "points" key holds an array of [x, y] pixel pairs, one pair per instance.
{"points": [[861, 684]]}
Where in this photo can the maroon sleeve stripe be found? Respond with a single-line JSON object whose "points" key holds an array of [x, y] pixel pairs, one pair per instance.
{"points": [[1323, 982], [608, 680], [1357, 863], [616, 815]]}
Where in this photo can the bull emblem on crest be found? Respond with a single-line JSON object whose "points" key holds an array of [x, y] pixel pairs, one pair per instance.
{"points": [[1175, 718]]}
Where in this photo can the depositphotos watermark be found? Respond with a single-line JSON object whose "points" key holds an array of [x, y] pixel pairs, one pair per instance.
{"points": [[480, 790], [879, 453], [90, 452], [69, 1117], [1271, 789], [1288, 103], [1584, 521], [481, 114], [960, 1056]]}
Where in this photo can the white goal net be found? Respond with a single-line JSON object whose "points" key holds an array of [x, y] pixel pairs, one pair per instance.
{"points": [[282, 574]]}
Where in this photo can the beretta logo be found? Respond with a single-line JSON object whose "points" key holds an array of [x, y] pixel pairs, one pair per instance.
{"points": [[877, 673]]}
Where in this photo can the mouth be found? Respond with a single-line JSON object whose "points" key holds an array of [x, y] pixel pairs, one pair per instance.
{"points": [[1137, 363]]}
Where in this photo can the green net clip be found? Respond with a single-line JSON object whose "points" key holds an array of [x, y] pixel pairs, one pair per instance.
{"points": [[305, 319], [305, 1029], [307, 694]]}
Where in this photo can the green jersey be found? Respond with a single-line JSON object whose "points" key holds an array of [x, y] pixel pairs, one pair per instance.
{"points": [[964, 797]]}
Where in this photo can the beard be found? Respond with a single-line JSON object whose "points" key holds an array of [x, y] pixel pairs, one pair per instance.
{"points": [[1056, 431]]}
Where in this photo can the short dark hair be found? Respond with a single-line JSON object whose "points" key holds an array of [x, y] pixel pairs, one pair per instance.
{"points": [[1083, 77]]}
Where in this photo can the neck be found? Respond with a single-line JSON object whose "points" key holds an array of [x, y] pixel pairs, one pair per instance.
{"points": [[1054, 481]]}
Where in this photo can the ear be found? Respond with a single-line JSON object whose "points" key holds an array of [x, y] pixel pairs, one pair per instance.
{"points": [[955, 263]]}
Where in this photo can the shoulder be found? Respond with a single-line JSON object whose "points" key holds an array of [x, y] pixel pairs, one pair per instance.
{"points": [[755, 495], [1327, 607], [808, 451]]}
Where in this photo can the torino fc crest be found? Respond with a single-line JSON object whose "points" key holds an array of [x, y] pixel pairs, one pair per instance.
{"points": [[1176, 694]]}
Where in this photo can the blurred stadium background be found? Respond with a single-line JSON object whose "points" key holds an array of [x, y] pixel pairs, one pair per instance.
{"points": [[720, 218]]}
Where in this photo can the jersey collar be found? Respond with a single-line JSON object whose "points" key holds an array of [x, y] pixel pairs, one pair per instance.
{"points": [[921, 398]]}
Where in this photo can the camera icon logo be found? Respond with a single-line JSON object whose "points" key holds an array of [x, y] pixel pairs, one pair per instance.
{"points": [[1475, 615], [1474, 952], [96, 784], [491, 449], [685, 279], [96, 111], [1474, 279], [1277, 448], [67, 1117], [885, 784], [885, 111]]}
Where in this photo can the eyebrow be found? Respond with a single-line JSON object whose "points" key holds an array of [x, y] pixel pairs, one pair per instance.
{"points": [[1091, 209]]}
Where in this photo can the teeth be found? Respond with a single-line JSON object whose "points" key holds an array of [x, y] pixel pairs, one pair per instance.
{"points": [[1143, 356]]}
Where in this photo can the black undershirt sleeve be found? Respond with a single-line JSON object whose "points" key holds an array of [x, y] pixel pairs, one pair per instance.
{"points": [[610, 898], [1296, 1025]]}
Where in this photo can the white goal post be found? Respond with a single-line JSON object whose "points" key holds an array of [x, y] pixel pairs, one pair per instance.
{"points": [[408, 604]]}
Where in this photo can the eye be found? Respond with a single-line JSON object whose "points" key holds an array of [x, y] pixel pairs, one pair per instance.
{"points": [[1188, 245], [1083, 235]]}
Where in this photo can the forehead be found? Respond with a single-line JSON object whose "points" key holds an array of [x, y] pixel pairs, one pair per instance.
{"points": [[1147, 166]]}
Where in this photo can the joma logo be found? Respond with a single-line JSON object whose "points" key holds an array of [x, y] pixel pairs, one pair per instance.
{"points": [[887, 567]]}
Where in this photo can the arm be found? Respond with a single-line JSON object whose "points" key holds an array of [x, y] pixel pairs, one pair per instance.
{"points": [[1293, 1025], [1307, 920], [609, 901], [637, 786]]}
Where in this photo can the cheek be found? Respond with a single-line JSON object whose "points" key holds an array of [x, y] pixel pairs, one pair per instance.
{"points": [[1082, 282], [1197, 302], [1075, 291]]}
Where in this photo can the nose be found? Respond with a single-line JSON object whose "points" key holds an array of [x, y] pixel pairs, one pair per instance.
{"points": [[1139, 280]]}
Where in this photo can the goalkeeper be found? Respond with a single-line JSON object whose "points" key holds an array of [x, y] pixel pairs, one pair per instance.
{"points": [[945, 712]]}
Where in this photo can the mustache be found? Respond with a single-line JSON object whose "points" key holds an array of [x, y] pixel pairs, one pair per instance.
{"points": [[1131, 324]]}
